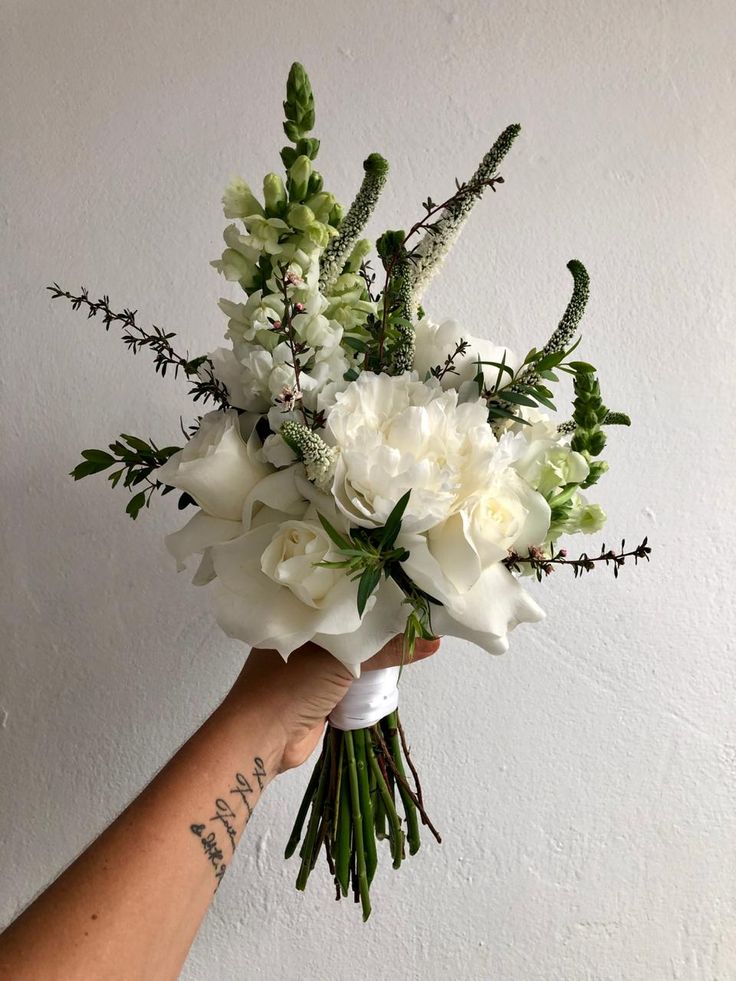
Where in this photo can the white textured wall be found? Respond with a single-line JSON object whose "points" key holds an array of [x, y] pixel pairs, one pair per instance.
{"points": [[585, 783]]}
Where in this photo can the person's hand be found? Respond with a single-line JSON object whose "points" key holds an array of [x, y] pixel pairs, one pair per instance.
{"points": [[302, 691]]}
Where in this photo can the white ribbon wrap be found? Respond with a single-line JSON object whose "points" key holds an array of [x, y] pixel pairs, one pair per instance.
{"points": [[370, 698]]}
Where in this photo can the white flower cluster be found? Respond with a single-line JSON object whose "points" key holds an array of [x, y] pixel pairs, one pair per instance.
{"points": [[346, 444], [258, 368]]}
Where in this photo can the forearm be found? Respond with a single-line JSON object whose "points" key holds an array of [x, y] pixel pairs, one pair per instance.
{"points": [[131, 905]]}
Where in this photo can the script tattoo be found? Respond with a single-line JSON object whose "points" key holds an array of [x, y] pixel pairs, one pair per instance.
{"points": [[225, 816]]}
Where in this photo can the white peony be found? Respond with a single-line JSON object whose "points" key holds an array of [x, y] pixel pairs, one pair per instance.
{"points": [[434, 343], [397, 434], [216, 467]]}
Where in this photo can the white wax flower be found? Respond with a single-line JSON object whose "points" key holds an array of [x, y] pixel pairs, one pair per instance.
{"points": [[434, 343], [397, 434], [216, 467]]}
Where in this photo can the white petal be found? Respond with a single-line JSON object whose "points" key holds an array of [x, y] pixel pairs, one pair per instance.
{"points": [[384, 621], [278, 492], [197, 534], [451, 548]]}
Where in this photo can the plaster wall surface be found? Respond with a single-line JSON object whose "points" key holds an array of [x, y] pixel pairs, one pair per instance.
{"points": [[585, 782]]}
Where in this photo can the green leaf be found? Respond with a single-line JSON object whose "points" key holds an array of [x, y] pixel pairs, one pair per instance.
{"points": [[135, 504], [393, 523], [355, 343], [498, 364], [138, 444], [368, 582], [98, 456], [342, 543], [498, 412], [516, 398], [87, 468], [582, 367]]}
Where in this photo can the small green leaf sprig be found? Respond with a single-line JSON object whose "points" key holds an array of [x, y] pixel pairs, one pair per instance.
{"points": [[371, 554], [200, 370], [134, 460]]}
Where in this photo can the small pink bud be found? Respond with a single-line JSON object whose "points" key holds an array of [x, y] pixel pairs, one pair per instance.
{"points": [[562, 553], [299, 307], [275, 325]]}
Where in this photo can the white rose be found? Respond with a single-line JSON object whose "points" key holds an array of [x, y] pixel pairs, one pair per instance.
{"points": [[434, 343], [397, 434], [216, 467], [268, 593], [485, 613], [506, 514], [292, 559]]}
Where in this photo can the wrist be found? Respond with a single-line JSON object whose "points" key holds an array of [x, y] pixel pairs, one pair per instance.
{"points": [[257, 727]]}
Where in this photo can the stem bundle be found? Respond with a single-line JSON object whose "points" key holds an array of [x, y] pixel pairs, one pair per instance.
{"points": [[351, 799]]}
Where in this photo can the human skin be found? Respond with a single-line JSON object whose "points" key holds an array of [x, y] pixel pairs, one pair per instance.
{"points": [[130, 906]]}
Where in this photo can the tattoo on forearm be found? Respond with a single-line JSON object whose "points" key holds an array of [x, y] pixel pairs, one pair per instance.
{"points": [[226, 813]]}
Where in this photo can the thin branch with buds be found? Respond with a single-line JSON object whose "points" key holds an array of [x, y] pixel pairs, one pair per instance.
{"points": [[544, 565], [157, 340]]}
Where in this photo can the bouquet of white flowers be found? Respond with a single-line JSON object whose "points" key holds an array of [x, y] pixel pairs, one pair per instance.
{"points": [[366, 472]]}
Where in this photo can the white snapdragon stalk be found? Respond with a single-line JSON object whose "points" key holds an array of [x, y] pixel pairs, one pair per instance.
{"points": [[239, 262]]}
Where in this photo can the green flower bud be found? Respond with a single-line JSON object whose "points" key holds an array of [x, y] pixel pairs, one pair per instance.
{"points": [[315, 183], [300, 217], [596, 443], [309, 146], [389, 244], [336, 215], [299, 104], [322, 204], [299, 174], [360, 250], [274, 194], [597, 469], [591, 519]]}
